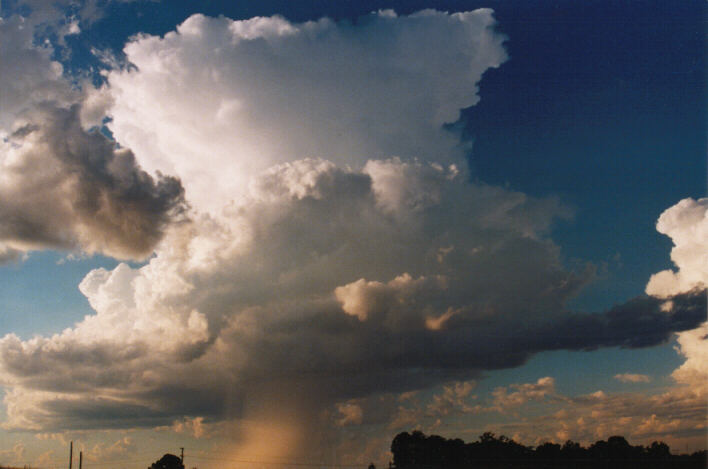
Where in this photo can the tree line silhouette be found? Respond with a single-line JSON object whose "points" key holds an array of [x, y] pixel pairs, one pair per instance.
{"points": [[418, 451]]}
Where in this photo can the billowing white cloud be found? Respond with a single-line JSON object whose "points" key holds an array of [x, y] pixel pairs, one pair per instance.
{"points": [[218, 101], [686, 223], [693, 345]]}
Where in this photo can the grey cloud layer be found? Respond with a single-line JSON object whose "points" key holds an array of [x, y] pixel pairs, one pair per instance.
{"points": [[641, 322]]}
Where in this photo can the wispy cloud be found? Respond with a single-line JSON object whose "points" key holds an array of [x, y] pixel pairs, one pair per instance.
{"points": [[632, 378]]}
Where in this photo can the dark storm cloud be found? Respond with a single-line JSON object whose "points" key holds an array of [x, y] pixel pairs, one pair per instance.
{"points": [[64, 187], [352, 359], [641, 322], [91, 413]]}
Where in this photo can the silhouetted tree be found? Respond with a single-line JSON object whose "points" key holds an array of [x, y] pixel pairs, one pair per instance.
{"points": [[548, 454], [168, 461], [659, 450], [417, 451]]}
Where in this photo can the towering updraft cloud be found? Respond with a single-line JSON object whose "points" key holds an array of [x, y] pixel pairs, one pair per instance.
{"points": [[217, 101]]}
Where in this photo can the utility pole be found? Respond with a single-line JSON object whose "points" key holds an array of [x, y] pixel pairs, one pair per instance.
{"points": [[181, 455], [81, 458], [71, 453]]}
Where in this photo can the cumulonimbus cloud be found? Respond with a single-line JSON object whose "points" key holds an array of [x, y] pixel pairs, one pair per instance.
{"points": [[335, 250]]}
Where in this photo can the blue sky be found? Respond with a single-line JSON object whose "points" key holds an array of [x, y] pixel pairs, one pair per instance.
{"points": [[579, 124]]}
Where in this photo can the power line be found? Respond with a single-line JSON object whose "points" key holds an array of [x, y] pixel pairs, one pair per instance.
{"points": [[276, 463], [115, 461], [216, 458]]}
